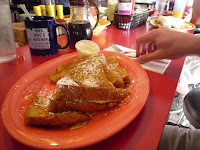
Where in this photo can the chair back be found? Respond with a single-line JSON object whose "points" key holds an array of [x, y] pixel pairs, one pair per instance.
{"points": [[191, 107]]}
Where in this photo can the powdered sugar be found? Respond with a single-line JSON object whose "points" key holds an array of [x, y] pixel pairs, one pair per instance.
{"points": [[87, 72], [67, 80]]}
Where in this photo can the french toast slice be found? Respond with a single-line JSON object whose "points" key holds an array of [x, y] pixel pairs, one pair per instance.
{"points": [[89, 94], [98, 57], [54, 77], [72, 64], [86, 72], [90, 70], [38, 114], [88, 107], [113, 63], [60, 105], [114, 77]]}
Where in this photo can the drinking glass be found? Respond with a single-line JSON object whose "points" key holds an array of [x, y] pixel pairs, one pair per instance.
{"points": [[179, 8], [160, 5], [7, 42]]}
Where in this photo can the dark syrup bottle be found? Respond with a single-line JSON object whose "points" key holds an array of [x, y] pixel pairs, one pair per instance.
{"points": [[79, 30]]}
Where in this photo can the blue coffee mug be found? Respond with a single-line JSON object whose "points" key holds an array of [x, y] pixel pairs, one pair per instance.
{"points": [[42, 37]]}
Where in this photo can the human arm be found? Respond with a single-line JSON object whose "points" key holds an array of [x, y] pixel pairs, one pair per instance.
{"points": [[196, 12], [165, 43]]}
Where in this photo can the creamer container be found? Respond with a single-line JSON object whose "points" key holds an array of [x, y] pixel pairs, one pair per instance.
{"points": [[126, 7]]}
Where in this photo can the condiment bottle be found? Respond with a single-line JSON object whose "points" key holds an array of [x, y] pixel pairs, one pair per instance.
{"points": [[60, 19], [126, 7], [79, 26], [37, 10], [51, 10], [43, 10], [111, 9], [60, 13]]}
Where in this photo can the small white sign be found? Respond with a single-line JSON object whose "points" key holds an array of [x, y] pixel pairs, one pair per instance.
{"points": [[38, 38]]}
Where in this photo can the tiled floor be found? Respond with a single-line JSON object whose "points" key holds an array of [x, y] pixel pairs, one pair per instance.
{"points": [[188, 80], [178, 117]]}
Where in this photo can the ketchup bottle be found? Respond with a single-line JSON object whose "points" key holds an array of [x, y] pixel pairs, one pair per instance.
{"points": [[126, 7]]}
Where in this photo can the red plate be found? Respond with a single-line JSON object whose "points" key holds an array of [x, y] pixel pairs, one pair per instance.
{"points": [[104, 124]]}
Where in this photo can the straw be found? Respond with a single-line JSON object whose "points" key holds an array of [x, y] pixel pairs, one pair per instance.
{"points": [[23, 7]]}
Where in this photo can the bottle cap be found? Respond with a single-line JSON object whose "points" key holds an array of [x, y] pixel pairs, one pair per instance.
{"points": [[42, 6], [59, 7], [50, 7], [51, 10], [43, 10], [37, 10], [60, 11]]}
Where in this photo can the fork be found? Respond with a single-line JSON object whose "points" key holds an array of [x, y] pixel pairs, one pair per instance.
{"points": [[127, 53], [115, 47]]}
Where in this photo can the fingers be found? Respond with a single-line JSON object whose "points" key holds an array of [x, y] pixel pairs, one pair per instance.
{"points": [[151, 47], [145, 48], [149, 57], [139, 49], [154, 44], [142, 43]]}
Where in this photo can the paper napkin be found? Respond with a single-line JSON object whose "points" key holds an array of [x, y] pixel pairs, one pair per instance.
{"points": [[156, 66]]}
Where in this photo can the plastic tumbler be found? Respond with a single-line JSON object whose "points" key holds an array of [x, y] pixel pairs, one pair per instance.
{"points": [[179, 8], [160, 5], [7, 42]]}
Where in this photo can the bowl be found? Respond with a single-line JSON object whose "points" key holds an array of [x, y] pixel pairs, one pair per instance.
{"points": [[189, 27], [187, 30]]}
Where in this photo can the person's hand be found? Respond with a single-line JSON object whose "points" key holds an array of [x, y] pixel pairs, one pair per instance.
{"points": [[195, 12], [164, 43]]}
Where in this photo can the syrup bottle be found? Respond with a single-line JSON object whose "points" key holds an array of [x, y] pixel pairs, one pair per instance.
{"points": [[79, 26]]}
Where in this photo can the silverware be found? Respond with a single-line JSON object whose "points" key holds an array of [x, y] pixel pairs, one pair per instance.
{"points": [[117, 49], [132, 54]]}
